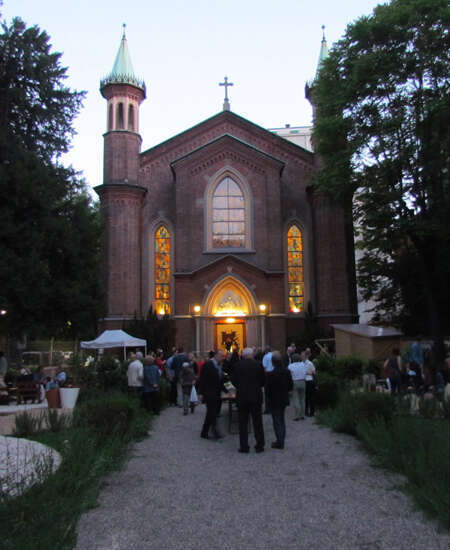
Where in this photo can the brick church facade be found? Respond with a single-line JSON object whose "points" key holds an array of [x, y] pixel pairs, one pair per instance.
{"points": [[218, 227]]}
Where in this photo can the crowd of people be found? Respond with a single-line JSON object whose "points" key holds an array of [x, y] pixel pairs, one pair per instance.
{"points": [[412, 371], [262, 382]]}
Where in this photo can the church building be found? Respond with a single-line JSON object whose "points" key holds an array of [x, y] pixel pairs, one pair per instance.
{"points": [[218, 227]]}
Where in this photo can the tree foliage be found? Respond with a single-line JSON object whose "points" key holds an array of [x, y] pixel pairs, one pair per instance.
{"points": [[382, 128], [49, 230], [158, 331]]}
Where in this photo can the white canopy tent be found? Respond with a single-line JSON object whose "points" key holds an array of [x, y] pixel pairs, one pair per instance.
{"points": [[115, 339]]}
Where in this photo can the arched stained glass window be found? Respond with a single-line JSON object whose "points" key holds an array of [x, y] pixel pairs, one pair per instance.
{"points": [[162, 271], [228, 215], [295, 270]]}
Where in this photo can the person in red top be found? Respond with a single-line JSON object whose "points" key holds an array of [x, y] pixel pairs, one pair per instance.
{"points": [[159, 360], [200, 362]]}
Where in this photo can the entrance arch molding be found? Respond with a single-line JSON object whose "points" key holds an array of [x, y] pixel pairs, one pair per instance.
{"points": [[234, 283]]}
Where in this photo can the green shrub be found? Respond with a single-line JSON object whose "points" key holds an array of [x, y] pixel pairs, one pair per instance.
{"points": [[445, 408], [349, 368], [372, 366], [325, 363], [57, 422], [108, 416], [428, 407], [419, 449], [327, 390], [353, 408], [84, 376], [27, 425], [111, 374]]}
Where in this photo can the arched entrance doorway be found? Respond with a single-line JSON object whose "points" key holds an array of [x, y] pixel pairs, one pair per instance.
{"points": [[230, 316]]}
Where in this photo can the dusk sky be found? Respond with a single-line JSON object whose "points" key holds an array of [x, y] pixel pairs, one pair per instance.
{"points": [[183, 50]]}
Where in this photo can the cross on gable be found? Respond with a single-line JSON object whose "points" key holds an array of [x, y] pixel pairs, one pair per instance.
{"points": [[226, 84]]}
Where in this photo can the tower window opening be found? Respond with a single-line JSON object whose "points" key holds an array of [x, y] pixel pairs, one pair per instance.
{"points": [[120, 124], [131, 118], [110, 117]]}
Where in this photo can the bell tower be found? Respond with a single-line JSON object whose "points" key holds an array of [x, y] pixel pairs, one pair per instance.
{"points": [[124, 93], [121, 196], [333, 240]]}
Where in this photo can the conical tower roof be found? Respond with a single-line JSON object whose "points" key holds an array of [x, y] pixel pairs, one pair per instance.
{"points": [[122, 71], [323, 51]]}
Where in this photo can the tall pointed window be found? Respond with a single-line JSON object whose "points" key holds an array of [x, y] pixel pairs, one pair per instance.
{"points": [[131, 118], [162, 271], [228, 215], [120, 116], [110, 117], [296, 281]]}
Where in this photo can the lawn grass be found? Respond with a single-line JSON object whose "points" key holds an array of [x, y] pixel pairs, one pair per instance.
{"points": [[46, 515]]}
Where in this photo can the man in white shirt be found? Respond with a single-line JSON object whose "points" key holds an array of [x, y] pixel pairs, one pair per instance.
{"points": [[298, 373], [135, 374]]}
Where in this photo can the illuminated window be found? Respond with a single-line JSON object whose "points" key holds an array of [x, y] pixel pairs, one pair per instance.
{"points": [[295, 270], [162, 271], [228, 215]]}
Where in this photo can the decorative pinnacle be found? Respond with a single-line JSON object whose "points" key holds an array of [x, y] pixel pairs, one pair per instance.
{"points": [[124, 25], [226, 103], [323, 33]]}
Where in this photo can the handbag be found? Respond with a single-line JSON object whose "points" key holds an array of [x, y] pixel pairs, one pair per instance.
{"points": [[194, 396]]}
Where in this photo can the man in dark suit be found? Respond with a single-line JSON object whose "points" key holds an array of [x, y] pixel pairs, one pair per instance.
{"points": [[248, 377], [209, 389], [177, 366]]}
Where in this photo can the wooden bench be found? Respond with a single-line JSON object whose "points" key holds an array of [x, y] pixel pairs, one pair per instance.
{"points": [[28, 390]]}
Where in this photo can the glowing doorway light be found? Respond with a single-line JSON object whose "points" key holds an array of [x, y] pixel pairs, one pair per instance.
{"points": [[230, 320]]}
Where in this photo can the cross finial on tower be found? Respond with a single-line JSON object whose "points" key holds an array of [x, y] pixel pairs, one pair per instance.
{"points": [[226, 103], [323, 33], [124, 25]]}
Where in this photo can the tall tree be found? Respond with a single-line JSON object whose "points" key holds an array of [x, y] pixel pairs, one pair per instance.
{"points": [[49, 230], [382, 124]]}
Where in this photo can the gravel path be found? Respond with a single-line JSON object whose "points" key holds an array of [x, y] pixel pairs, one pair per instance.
{"points": [[180, 492]]}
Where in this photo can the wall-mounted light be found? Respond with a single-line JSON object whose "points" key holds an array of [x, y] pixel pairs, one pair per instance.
{"points": [[3, 312], [197, 309], [230, 320], [262, 308]]}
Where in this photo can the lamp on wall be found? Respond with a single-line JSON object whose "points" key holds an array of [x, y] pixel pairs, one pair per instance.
{"points": [[262, 308], [197, 309]]}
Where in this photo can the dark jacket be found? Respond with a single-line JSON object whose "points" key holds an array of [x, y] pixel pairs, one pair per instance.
{"points": [[278, 385], [210, 382], [177, 363], [187, 376], [248, 377], [152, 375]]}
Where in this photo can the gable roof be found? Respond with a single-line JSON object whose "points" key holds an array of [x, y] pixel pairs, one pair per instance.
{"points": [[230, 139], [224, 117]]}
